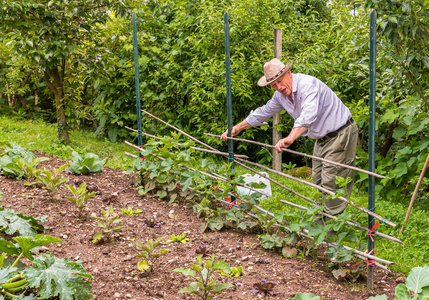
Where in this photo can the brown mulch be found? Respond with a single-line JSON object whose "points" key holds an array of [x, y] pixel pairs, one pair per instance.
{"points": [[114, 266]]}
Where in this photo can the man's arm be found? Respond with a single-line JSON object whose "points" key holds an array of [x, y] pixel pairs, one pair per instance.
{"points": [[293, 135], [236, 129]]}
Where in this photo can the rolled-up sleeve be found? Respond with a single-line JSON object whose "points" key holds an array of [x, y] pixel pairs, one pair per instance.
{"points": [[309, 108], [263, 113]]}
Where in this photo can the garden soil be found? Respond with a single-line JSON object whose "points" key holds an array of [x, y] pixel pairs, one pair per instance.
{"points": [[114, 266]]}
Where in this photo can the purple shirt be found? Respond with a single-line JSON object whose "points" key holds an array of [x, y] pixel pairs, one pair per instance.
{"points": [[315, 106]]}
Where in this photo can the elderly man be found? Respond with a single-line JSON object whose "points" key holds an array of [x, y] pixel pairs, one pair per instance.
{"points": [[318, 114]]}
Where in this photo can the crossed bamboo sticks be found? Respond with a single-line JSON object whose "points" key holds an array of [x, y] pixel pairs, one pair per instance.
{"points": [[282, 174], [358, 253]]}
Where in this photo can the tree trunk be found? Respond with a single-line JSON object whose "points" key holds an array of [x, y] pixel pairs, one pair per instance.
{"points": [[57, 88], [389, 139]]}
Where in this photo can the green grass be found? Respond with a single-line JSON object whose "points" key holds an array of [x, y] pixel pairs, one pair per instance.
{"points": [[36, 135]]}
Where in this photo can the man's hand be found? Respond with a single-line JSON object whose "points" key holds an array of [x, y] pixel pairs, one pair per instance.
{"points": [[293, 135], [224, 135], [236, 130], [284, 143]]}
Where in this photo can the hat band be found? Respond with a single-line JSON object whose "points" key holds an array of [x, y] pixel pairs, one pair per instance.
{"points": [[277, 75]]}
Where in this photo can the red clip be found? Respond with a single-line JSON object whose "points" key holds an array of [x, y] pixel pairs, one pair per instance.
{"points": [[369, 262], [232, 203], [370, 231]]}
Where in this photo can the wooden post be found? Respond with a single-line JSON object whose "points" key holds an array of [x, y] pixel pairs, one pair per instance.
{"points": [[277, 136], [415, 193]]}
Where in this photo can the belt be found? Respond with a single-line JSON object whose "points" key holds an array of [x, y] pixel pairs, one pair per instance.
{"points": [[335, 133]]}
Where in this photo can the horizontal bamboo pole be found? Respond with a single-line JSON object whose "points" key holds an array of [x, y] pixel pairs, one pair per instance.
{"points": [[305, 234], [280, 173], [195, 148], [306, 155], [237, 161], [353, 224], [356, 252], [182, 132], [312, 185]]}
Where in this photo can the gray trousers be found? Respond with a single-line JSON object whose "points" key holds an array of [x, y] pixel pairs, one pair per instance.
{"points": [[341, 149]]}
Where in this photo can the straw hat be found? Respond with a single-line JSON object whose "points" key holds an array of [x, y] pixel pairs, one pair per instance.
{"points": [[273, 70]]}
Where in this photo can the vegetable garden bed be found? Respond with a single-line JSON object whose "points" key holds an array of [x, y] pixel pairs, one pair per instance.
{"points": [[114, 267]]}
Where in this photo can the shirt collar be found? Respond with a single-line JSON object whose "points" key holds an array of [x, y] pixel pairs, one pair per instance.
{"points": [[294, 83]]}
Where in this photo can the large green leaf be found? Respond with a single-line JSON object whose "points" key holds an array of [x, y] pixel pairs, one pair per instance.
{"points": [[191, 288], [418, 278], [221, 286], [8, 248], [305, 296], [222, 266], [53, 276], [7, 274], [27, 243], [378, 297], [402, 293], [184, 271], [13, 222]]}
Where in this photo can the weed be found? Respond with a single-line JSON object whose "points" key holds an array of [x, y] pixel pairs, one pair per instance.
{"points": [[108, 224], [151, 254], [52, 180], [80, 196], [202, 272]]}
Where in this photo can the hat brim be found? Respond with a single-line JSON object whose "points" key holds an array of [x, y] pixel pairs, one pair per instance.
{"points": [[263, 80]]}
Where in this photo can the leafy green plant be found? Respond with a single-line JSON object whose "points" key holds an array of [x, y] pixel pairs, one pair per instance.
{"points": [[47, 274], [179, 238], [129, 211], [416, 286], [89, 163], [202, 272], [151, 254], [235, 272], [80, 196], [305, 296], [52, 180], [108, 224], [12, 222], [21, 167]]}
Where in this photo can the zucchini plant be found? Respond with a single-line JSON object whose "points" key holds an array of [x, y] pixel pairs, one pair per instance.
{"points": [[48, 275]]}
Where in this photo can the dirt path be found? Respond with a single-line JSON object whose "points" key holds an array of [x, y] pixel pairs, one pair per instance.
{"points": [[115, 268]]}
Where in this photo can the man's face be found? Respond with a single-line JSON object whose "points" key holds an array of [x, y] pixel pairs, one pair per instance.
{"points": [[283, 84]]}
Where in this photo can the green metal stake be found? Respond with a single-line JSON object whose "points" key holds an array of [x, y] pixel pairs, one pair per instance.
{"points": [[228, 93], [136, 67], [371, 142]]}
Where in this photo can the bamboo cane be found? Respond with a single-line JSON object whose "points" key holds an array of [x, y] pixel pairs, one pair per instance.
{"points": [[357, 252], [353, 224], [330, 243], [195, 148], [310, 184], [306, 155], [415, 193], [182, 132], [309, 237], [320, 188]]}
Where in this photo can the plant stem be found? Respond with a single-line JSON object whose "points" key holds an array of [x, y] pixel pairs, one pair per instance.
{"points": [[16, 261]]}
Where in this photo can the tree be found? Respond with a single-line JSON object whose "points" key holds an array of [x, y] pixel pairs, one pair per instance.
{"points": [[49, 33]]}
